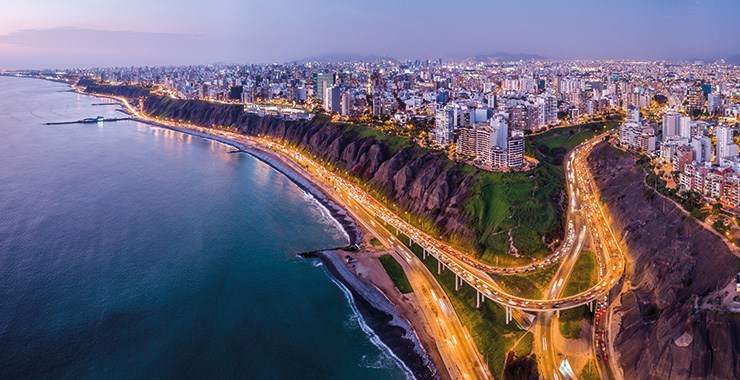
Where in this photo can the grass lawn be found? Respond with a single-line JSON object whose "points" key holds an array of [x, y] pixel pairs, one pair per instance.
{"points": [[523, 205], [375, 242], [524, 347], [589, 371], [395, 143], [529, 285], [570, 137], [571, 321], [585, 274], [395, 272]]}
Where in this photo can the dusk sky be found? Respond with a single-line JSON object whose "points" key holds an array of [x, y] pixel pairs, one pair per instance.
{"points": [[75, 33]]}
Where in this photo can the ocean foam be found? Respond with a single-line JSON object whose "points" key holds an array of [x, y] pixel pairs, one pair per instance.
{"points": [[374, 338]]}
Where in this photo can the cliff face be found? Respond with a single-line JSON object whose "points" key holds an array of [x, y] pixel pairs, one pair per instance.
{"points": [[423, 183], [672, 259], [123, 91]]}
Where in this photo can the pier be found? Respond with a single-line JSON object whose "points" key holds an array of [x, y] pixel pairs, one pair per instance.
{"points": [[90, 120]]}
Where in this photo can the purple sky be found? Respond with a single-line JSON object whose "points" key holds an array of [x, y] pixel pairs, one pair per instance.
{"points": [[73, 33]]}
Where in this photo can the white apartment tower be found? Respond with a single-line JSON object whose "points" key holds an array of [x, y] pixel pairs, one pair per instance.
{"points": [[726, 147]]}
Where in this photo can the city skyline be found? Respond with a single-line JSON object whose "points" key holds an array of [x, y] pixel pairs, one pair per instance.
{"points": [[46, 34]]}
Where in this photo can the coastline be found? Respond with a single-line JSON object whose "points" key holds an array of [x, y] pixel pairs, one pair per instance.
{"points": [[375, 308], [382, 317]]}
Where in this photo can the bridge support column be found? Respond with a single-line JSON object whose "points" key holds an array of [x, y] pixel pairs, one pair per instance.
{"points": [[424, 253], [439, 267], [457, 282], [558, 313], [477, 299], [508, 314], [591, 306]]}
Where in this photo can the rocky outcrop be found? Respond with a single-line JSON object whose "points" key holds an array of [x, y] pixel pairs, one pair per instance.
{"points": [[672, 259]]}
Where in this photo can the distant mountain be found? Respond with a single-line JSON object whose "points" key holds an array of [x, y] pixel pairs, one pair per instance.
{"points": [[344, 57], [506, 57]]}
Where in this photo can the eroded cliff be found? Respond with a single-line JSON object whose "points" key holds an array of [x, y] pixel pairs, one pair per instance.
{"points": [[475, 211], [659, 334], [421, 182]]}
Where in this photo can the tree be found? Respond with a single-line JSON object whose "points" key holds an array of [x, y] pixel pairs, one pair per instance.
{"points": [[716, 208]]}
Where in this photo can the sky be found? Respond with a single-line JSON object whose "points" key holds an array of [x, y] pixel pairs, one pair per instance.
{"points": [[96, 33]]}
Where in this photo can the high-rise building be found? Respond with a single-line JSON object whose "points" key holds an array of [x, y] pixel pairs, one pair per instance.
{"points": [[702, 148], [550, 110], [444, 126], [713, 103], [501, 131], [633, 114], [321, 82], [332, 99], [695, 99], [726, 147], [346, 103], [515, 149], [670, 122], [519, 117], [484, 141]]}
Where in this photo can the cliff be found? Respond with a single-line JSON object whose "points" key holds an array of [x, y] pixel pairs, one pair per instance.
{"points": [[123, 91], [672, 259], [462, 204], [420, 182]]}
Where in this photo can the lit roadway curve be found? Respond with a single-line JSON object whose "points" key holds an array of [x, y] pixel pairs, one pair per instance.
{"points": [[474, 273], [581, 192], [469, 270], [465, 267], [543, 340], [457, 349]]}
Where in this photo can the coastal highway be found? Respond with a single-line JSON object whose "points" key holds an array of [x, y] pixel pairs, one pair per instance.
{"points": [[469, 270], [457, 349], [464, 266], [454, 343], [456, 346]]}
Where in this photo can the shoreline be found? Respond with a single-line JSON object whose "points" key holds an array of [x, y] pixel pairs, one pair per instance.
{"points": [[383, 318], [377, 311]]}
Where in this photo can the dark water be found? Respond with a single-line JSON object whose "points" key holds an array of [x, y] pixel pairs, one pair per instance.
{"points": [[128, 251]]}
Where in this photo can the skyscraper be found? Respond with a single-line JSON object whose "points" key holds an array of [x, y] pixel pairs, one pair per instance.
{"points": [[332, 99], [321, 82], [726, 147]]}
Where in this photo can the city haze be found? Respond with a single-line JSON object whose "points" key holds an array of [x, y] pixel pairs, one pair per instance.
{"points": [[45, 34]]}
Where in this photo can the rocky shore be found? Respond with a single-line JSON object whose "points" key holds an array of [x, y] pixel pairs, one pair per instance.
{"points": [[383, 318]]}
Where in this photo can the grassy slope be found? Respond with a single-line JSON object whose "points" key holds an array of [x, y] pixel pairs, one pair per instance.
{"points": [[571, 321], [585, 274], [589, 371], [570, 137], [529, 285], [521, 203], [395, 272], [524, 347], [527, 204]]}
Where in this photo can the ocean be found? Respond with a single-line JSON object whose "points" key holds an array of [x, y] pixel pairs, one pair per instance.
{"points": [[133, 251]]}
